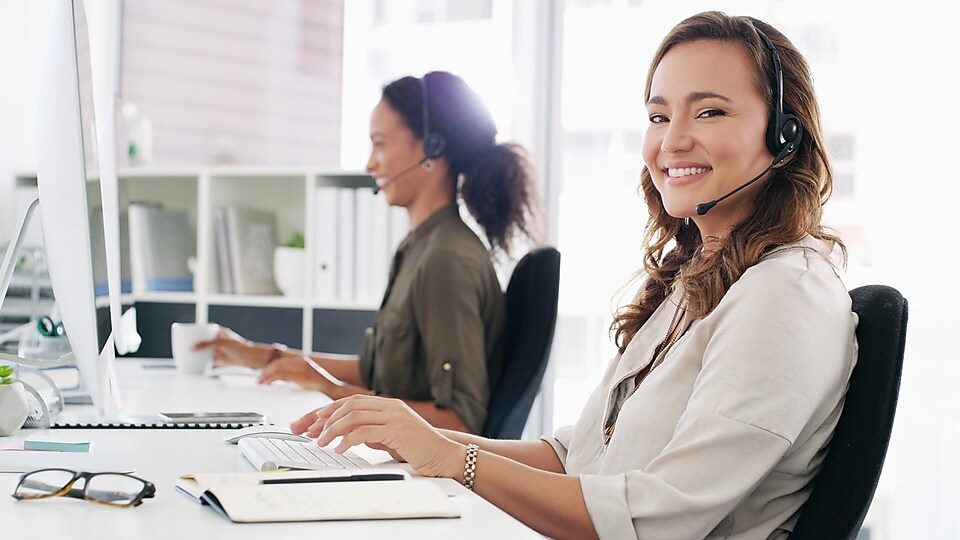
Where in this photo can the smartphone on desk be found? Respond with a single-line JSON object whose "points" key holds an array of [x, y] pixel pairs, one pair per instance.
{"points": [[212, 417]]}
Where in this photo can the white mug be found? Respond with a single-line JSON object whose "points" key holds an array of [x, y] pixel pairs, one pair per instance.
{"points": [[183, 336]]}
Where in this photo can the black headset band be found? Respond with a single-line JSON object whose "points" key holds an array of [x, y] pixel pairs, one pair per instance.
{"points": [[425, 99], [777, 70]]}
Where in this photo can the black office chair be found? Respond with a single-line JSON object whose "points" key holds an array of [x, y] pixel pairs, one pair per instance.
{"points": [[531, 317], [844, 487]]}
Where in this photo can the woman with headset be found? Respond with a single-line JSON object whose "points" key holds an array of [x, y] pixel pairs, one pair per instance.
{"points": [[734, 357], [436, 341]]}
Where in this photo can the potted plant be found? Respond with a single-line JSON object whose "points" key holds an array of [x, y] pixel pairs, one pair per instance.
{"points": [[288, 265], [13, 402]]}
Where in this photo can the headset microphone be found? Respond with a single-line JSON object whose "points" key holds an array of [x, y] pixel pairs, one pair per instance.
{"points": [[703, 208], [378, 187]]}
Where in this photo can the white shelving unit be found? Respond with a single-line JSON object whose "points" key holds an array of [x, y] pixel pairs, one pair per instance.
{"points": [[289, 193]]}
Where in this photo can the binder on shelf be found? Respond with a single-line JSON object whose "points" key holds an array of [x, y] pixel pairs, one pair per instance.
{"points": [[225, 272], [399, 227], [325, 244], [251, 236], [99, 253], [382, 251], [160, 244], [346, 243], [363, 244]]}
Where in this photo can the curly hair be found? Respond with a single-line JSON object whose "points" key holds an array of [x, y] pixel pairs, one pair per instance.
{"points": [[495, 180], [787, 208]]}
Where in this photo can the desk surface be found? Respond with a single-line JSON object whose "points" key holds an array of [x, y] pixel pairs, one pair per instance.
{"points": [[162, 455]]}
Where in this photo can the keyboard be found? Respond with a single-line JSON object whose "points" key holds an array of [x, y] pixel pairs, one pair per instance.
{"points": [[270, 454]]}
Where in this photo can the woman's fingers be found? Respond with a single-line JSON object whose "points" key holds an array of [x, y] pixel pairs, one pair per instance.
{"points": [[316, 419], [348, 423], [340, 408], [303, 423], [383, 424]]}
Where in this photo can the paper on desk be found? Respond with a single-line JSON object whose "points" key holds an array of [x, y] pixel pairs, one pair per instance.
{"points": [[241, 498]]}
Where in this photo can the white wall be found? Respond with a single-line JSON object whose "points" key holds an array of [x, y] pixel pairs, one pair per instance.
{"points": [[20, 31]]}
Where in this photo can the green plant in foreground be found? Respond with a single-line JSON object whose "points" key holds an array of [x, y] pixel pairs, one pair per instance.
{"points": [[295, 241], [6, 375]]}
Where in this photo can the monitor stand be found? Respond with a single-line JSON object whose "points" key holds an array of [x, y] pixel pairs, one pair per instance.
{"points": [[6, 274]]}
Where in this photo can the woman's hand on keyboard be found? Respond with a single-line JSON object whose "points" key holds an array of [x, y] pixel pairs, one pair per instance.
{"points": [[386, 424]]}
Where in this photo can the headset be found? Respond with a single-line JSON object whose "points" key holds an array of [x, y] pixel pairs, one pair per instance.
{"points": [[784, 130], [434, 144]]}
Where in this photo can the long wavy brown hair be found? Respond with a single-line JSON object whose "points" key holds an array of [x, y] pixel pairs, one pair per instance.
{"points": [[788, 207]]}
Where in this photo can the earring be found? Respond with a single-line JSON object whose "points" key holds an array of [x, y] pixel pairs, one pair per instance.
{"points": [[686, 221], [428, 165]]}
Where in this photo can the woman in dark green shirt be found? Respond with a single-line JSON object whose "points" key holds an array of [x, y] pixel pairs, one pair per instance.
{"points": [[436, 341]]}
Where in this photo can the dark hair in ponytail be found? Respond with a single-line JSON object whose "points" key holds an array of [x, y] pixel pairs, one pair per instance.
{"points": [[496, 180]]}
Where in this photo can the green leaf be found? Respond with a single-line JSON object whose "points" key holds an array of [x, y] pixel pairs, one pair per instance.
{"points": [[6, 371], [6, 381], [295, 241]]}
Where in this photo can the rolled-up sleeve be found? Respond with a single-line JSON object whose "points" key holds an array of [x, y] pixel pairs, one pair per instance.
{"points": [[713, 463], [448, 307], [559, 441]]}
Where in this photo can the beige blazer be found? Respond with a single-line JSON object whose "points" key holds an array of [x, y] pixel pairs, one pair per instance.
{"points": [[722, 439]]}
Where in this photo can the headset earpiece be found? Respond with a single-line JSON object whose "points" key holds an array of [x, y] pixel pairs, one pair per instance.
{"points": [[784, 131], [434, 145], [784, 137]]}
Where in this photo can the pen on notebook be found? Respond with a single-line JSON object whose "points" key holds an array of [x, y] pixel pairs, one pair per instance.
{"points": [[319, 479]]}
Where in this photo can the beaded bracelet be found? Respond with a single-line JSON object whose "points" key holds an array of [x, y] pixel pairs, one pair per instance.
{"points": [[470, 467]]}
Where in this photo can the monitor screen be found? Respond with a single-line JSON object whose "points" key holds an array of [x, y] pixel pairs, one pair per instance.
{"points": [[67, 174]]}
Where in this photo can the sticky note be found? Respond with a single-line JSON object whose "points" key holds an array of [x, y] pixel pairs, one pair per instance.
{"points": [[56, 445]]}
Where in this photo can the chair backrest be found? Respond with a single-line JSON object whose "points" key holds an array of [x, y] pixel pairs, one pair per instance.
{"points": [[844, 487], [531, 317]]}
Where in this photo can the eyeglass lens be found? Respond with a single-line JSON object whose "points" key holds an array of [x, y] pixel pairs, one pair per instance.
{"points": [[110, 488]]}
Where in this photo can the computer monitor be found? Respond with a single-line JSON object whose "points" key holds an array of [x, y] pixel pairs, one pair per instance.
{"points": [[67, 158]]}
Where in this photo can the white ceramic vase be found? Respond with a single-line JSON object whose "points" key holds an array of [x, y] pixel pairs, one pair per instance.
{"points": [[288, 264], [13, 408]]}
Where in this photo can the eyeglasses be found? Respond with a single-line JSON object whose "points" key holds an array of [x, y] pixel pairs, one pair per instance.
{"points": [[49, 328], [113, 489]]}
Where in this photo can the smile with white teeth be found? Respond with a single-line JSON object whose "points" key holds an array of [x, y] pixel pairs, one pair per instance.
{"points": [[686, 171]]}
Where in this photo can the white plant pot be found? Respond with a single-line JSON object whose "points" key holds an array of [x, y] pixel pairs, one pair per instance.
{"points": [[288, 264], [13, 408]]}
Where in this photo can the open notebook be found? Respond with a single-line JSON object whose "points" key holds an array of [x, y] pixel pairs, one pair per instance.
{"points": [[310, 496], [267, 454]]}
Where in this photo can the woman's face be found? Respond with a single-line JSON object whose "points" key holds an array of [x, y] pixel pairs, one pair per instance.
{"points": [[707, 132], [394, 156]]}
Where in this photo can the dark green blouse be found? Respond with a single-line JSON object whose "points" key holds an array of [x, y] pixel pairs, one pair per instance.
{"points": [[439, 331]]}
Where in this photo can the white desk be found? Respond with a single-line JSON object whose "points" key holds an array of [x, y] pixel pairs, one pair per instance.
{"points": [[164, 454]]}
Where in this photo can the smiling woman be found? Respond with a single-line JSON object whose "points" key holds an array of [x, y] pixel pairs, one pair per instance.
{"points": [[702, 143], [734, 359]]}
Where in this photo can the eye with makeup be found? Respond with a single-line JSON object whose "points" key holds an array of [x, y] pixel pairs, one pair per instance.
{"points": [[657, 118], [711, 113]]}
